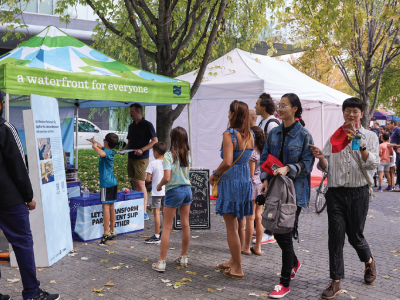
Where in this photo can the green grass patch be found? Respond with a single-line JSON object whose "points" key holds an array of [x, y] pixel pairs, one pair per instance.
{"points": [[88, 172]]}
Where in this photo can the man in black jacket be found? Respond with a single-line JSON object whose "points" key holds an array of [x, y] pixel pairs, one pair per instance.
{"points": [[15, 202]]}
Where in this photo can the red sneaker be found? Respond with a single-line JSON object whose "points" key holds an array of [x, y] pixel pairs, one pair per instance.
{"points": [[295, 270], [279, 291]]}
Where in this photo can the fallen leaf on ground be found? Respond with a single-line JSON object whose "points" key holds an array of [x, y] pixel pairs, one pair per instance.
{"points": [[84, 258], [145, 259], [195, 236], [222, 221], [129, 267], [121, 264], [200, 251], [395, 251], [72, 254], [220, 289], [205, 276], [191, 273], [217, 270], [115, 268], [179, 267], [132, 247], [264, 295], [171, 248], [394, 270], [145, 236], [110, 243], [109, 284], [386, 277], [211, 290], [40, 270], [253, 294], [352, 297], [100, 295], [53, 281], [186, 279], [110, 252], [97, 290], [219, 237], [73, 250], [344, 291], [13, 280], [169, 284], [165, 280], [149, 227], [105, 260]]}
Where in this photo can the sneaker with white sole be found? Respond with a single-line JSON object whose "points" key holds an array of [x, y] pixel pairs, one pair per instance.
{"points": [[4, 297], [295, 270], [43, 295], [153, 240], [266, 239], [279, 292]]}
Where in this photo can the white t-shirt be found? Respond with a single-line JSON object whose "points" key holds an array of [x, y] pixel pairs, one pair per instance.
{"points": [[155, 168], [270, 125]]}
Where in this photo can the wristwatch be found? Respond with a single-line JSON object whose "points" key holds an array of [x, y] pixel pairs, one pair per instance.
{"points": [[363, 148]]}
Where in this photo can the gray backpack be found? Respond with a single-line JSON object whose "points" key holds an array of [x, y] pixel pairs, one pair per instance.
{"points": [[280, 205]]}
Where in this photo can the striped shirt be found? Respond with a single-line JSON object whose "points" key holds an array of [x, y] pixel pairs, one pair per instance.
{"points": [[343, 170]]}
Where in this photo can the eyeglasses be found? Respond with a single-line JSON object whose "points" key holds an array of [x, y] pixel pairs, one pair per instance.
{"points": [[354, 112], [282, 107]]}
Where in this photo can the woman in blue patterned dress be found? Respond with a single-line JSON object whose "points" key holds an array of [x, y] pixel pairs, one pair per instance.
{"points": [[234, 188]]}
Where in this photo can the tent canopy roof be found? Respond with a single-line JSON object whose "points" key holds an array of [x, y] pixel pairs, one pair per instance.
{"points": [[55, 64], [242, 75]]}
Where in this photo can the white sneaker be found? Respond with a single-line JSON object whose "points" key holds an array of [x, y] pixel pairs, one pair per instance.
{"points": [[266, 239]]}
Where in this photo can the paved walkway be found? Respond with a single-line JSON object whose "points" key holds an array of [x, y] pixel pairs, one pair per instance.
{"points": [[133, 277]]}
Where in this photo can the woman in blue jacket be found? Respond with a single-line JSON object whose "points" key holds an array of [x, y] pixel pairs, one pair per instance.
{"points": [[290, 143]]}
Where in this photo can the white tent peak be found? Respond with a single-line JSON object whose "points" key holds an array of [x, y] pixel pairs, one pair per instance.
{"points": [[231, 75]]}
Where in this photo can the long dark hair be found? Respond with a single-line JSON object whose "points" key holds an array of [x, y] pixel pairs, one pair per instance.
{"points": [[259, 137], [240, 119], [180, 146], [295, 101]]}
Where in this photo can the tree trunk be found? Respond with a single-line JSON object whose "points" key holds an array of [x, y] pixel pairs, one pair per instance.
{"points": [[164, 124], [366, 117]]}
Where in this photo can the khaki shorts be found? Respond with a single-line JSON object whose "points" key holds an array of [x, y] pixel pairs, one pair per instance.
{"points": [[137, 168]]}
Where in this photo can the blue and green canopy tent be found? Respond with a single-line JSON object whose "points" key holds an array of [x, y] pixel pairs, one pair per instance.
{"points": [[57, 65]]}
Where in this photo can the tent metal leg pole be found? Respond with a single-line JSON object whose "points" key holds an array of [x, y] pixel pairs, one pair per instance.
{"points": [[7, 107], [323, 125], [190, 134], [76, 135]]}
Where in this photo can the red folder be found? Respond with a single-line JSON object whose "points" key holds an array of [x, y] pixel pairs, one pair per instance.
{"points": [[267, 165]]}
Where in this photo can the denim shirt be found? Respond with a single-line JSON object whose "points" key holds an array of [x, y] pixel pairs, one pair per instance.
{"points": [[296, 151]]}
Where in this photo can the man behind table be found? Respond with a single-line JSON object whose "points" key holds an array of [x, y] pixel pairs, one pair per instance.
{"points": [[141, 138]]}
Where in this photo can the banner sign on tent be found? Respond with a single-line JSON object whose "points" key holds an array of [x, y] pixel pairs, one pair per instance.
{"points": [[67, 133], [50, 220]]}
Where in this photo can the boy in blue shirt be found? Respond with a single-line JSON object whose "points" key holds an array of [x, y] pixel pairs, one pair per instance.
{"points": [[108, 183]]}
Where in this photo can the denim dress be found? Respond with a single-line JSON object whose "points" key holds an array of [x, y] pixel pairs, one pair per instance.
{"points": [[234, 188]]}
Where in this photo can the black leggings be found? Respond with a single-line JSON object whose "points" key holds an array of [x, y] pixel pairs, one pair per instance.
{"points": [[289, 259]]}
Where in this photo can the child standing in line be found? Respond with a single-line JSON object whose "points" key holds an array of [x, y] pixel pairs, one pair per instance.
{"points": [[154, 173], [384, 166], [255, 172], [178, 195], [108, 183]]}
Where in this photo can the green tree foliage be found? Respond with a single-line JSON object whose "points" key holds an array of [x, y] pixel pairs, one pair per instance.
{"points": [[168, 37], [361, 36]]}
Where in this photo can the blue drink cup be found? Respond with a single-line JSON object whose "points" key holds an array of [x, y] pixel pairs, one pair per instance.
{"points": [[355, 145]]}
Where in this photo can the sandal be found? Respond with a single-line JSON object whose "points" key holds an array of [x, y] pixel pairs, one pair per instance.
{"points": [[182, 260], [221, 267], [246, 253], [161, 266], [228, 273], [256, 253], [112, 235], [104, 239]]}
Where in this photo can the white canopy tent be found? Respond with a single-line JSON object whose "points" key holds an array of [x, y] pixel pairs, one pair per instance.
{"points": [[243, 76]]}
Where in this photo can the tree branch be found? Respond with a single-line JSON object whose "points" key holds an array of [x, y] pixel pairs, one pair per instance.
{"points": [[342, 68], [117, 32], [148, 12], [209, 46], [191, 16], [174, 114], [142, 19]]}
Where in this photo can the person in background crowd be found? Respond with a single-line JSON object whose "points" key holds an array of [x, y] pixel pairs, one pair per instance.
{"points": [[375, 128], [265, 107], [141, 138], [155, 173], [108, 184], [178, 194], [234, 187], [385, 152], [347, 197], [393, 167], [255, 218], [253, 117], [15, 203], [290, 143], [382, 130], [395, 143]]}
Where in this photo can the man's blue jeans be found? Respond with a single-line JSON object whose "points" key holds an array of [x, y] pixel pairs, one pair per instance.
{"points": [[14, 221]]}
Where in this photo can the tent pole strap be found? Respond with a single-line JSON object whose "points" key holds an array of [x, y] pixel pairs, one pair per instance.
{"points": [[7, 107], [323, 124], [190, 134], [76, 134]]}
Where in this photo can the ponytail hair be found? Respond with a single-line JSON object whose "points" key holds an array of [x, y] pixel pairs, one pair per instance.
{"points": [[295, 101], [259, 137]]}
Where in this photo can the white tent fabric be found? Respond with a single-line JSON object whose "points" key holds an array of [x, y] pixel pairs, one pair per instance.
{"points": [[243, 76]]}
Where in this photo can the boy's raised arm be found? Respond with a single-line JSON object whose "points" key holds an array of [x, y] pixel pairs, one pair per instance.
{"points": [[97, 147]]}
